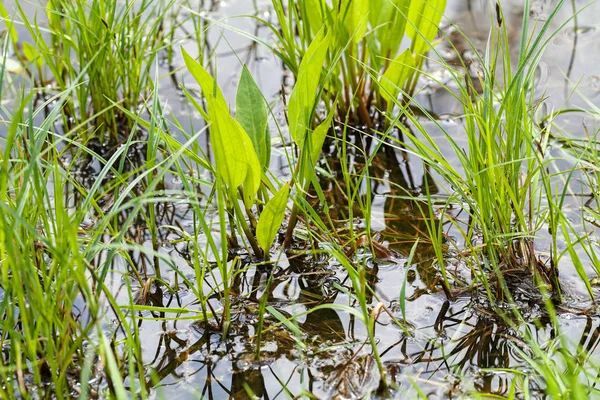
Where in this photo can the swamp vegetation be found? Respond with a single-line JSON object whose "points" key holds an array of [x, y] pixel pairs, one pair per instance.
{"points": [[299, 199]]}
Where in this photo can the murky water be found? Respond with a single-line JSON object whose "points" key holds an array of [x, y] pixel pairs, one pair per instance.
{"points": [[447, 346]]}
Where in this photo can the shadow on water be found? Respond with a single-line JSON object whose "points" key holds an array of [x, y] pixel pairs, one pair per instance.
{"points": [[450, 347], [447, 341], [464, 342]]}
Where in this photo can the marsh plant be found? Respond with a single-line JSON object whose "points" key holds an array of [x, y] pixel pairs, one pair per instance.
{"points": [[66, 242], [76, 44], [362, 35], [503, 184]]}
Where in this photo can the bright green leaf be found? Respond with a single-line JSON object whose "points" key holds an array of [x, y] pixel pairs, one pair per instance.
{"points": [[396, 75], [14, 37], [315, 143], [316, 12], [425, 17], [319, 135], [231, 162], [32, 54], [236, 161], [388, 18], [252, 113], [206, 82], [271, 218], [354, 14], [304, 95]]}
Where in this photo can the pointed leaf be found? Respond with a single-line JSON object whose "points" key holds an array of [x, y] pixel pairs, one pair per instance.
{"points": [[319, 135], [316, 12], [252, 114], [32, 54], [271, 218], [231, 160], [316, 139], [355, 17], [236, 161], [206, 82], [303, 97], [388, 18], [14, 37], [253, 178]]}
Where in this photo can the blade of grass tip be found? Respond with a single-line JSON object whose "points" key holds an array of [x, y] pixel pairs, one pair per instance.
{"points": [[288, 324]]}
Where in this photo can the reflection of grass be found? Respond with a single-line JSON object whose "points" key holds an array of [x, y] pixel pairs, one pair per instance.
{"points": [[84, 262]]}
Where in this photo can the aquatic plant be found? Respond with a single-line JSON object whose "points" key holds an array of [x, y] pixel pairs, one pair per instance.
{"points": [[219, 259], [114, 46], [503, 183], [364, 35]]}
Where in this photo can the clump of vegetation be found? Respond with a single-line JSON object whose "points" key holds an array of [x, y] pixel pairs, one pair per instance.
{"points": [[103, 52], [503, 183], [362, 36], [181, 237]]}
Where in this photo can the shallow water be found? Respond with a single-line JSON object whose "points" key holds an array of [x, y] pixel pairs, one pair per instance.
{"points": [[447, 346]]}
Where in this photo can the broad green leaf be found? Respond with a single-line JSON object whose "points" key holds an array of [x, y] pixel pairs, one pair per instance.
{"points": [[316, 139], [425, 17], [236, 161], [396, 75], [234, 151], [32, 54], [253, 178], [14, 37], [388, 18], [319, 135], [316, 12], [231, 162], [271, 218], [252, 114], [206, 82], [304, 94], [354, 14], [379, 11]]}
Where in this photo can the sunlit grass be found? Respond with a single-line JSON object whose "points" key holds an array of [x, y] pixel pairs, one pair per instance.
{"points": [[91, 75]]}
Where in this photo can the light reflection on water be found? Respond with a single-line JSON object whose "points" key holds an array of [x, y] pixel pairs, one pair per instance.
{"points": [[447, 341]]}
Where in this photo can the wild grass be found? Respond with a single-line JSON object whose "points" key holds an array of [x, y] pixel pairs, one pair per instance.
{"points": [[71, 39], [90, 75], [50, 310], [502, 180]]}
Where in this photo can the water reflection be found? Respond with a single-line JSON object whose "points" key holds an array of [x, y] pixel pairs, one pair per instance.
{"points": [[453, 342], [460, 341], [449, 340]]}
